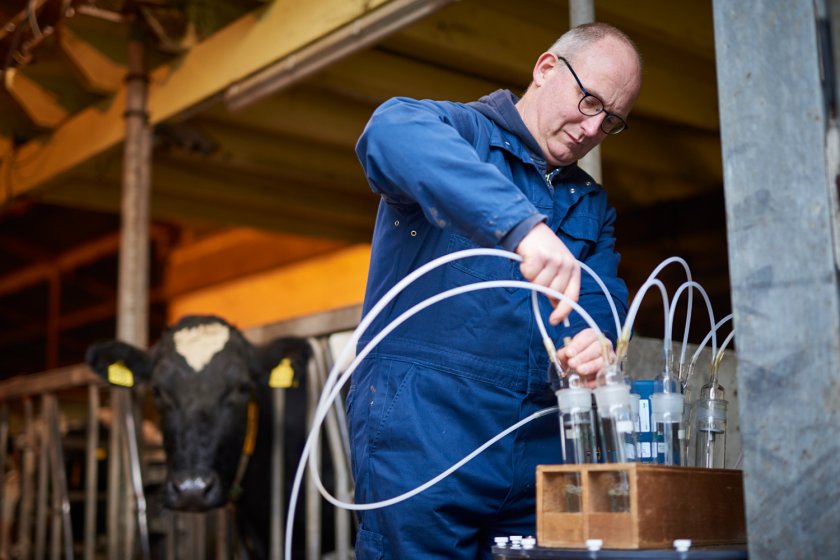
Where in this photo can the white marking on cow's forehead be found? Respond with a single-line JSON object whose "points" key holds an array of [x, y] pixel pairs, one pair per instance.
{"points": [[199, 344]]}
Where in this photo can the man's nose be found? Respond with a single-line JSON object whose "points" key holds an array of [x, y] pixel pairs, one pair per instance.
{"points": [[592, 125]]}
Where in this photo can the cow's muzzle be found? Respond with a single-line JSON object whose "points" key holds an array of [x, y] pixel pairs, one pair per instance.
{"points": [[193, 491]]}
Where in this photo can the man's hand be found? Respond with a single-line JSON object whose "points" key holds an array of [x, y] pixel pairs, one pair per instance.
{"points": [[585, 355], [546, 261]]}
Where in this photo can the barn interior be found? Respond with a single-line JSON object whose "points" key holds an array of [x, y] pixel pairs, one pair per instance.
{"points": [[259, 209]]}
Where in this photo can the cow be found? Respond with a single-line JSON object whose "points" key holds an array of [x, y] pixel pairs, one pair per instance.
{"points": [[209, 385]]}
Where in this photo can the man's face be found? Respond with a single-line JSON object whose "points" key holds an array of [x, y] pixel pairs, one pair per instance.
{"points": [[608, 70]]}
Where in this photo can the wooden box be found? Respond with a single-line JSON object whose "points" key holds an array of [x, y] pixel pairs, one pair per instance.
{"points": [[631, 505]]}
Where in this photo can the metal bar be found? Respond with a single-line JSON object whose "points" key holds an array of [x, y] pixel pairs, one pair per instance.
{"points": [[27, 491], [133, 281], [780, 167], [312, 497], [43, 482], [127, 496], [91, 472], [580, 12], [277, 474], [222, 533], [334, 438], [137, 483], [4, 443], [48, 382], [115, 486], [62, 522]]}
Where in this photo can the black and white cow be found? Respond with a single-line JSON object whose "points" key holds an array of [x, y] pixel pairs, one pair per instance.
{"points": [[204, 376]]}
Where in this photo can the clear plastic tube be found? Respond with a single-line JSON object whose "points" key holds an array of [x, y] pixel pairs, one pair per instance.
{"points": [[713, 325], [621, 348], [335, 381], [718, 325], [685, 266]]}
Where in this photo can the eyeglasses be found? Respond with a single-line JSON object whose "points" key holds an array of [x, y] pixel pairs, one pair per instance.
{"points": [[590, 106]]}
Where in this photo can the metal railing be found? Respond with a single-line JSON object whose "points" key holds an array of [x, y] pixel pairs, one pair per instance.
{"points": [[36, 502]]}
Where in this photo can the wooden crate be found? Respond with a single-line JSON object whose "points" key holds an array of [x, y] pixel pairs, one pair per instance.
{"points": [[631, 505]]}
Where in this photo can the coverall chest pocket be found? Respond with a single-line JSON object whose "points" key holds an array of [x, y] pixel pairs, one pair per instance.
{"points": [[580, 234], [483, 267]]}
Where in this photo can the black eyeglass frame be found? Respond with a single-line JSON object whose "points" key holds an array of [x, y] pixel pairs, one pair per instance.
{"points": [[622, 123]]}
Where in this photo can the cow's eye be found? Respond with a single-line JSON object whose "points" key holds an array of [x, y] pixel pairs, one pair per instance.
{"points": [[159, 396]]}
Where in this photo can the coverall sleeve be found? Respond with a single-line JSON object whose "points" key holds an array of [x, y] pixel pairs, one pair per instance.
{"points": [[604, 260], [412, 153]]}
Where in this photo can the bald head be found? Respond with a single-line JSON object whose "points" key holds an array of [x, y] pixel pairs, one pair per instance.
{"points": [[601, 62]]}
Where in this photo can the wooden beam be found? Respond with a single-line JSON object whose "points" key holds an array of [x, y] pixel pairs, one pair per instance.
{"points": [[41, 272], [201, 211], [243, 250], [469, 39], [99, 72], [375, 75], [297, 158], [312, 114], [236, 51], [40, 105]]}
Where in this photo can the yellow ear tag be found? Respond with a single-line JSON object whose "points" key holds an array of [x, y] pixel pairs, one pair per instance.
{"points": [[120, 375], [282, 376]]}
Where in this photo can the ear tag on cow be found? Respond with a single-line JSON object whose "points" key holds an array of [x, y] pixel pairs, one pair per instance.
{"points": [[119, 374], [282, 376]]}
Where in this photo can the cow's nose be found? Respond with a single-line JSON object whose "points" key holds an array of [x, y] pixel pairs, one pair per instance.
{"points": [[189, 491]]}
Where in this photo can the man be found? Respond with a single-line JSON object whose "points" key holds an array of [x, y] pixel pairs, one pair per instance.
{"points": [[499, 172]]}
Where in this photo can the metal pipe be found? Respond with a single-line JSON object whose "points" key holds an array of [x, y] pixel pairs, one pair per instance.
{"points": [[336, 445], [91, 472], [62, 524], [278, 520], [313, 498], [580, 12], [137, 483], [133, 283], [43, 481], [27, 491], [4, 442]]}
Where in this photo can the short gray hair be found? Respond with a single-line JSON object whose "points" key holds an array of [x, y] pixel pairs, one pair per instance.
{"points": [[579, 37]]}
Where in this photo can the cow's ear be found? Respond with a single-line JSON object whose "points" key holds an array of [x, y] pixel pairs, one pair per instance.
{"points": [[119, 363], [282, 362]]}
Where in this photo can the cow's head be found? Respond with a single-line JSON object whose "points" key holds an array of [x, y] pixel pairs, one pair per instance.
{"points": [[204, 377]]}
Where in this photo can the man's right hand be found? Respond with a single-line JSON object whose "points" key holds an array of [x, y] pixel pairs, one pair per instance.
{"points": [[547, 261]]}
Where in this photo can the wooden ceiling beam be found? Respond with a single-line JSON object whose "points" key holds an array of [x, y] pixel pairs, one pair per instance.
{"points": [[201, 211], [260, 38], [375, 75], [465, 38], [281, 154], [312, 114], [41, 106], [99, 73]]}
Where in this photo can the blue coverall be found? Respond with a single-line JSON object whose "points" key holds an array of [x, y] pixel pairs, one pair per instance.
{"points": [[453, 176]]}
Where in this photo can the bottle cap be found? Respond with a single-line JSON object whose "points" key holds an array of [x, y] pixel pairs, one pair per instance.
{"points": [[594, 545], [682, 545], [578, 399], [501, 541], [529, 543], [609, 396], [666, 407]]}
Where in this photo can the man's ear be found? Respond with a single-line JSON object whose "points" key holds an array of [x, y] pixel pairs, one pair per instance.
{"points": [[119, 363], [282, 362], [544, 65]]}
